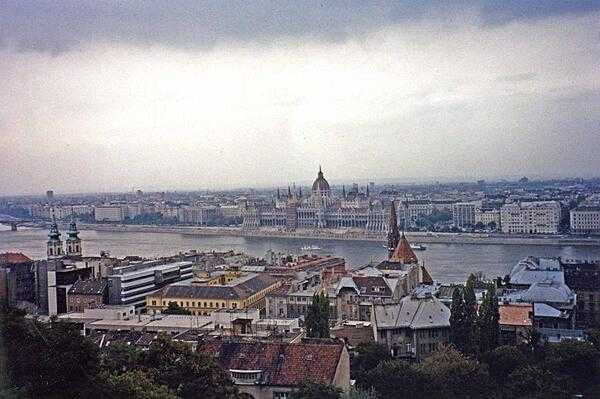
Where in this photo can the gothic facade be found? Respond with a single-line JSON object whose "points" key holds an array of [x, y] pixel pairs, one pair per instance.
{"points": [[319, 210]]}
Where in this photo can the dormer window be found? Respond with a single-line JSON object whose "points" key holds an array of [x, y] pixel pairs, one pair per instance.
{"points": [[246, 377]]}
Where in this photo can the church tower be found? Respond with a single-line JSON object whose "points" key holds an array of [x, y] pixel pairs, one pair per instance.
{"points": [[73, 241], [54, 246], [393, 235]]}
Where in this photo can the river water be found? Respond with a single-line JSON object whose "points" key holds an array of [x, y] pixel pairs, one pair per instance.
{"points": [[445, 262]]}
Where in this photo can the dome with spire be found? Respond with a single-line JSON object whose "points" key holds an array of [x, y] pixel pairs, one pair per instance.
{"points": [[320, 183]]}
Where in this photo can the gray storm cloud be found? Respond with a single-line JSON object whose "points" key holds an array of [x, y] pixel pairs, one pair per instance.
{"points": [[98, 96]]}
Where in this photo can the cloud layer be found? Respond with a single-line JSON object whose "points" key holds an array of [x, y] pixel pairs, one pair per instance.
{"points": [[94, 97]]}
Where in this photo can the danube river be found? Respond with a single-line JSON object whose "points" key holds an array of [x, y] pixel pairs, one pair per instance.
{"points": [[446, 262]]}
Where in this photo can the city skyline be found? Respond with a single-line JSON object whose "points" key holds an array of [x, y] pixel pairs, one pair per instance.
{"points": [[221, 96]]}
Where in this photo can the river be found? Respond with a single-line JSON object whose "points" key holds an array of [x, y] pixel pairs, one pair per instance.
{"points": [[446, 262]]}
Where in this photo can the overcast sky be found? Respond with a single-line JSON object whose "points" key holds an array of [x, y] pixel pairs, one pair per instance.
{"points": [[107, 96]]}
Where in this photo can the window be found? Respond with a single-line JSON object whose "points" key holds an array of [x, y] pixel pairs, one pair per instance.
{"points": [[280, 395], [153, 303]]}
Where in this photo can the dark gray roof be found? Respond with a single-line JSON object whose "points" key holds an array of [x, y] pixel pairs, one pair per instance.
{"points": [[243, 290], [88, 287]]}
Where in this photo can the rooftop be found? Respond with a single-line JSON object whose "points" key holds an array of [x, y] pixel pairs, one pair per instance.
{"points": [[280, 364], [515, 315], [13, 258]]}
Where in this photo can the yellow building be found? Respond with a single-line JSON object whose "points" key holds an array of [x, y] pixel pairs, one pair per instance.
{"points": [[202, 299]]}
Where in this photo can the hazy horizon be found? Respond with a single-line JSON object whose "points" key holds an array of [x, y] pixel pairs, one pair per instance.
{"points": [[106, 97]]}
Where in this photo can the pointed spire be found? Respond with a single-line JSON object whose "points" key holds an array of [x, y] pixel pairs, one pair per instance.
{"points": [[54, 234], [289, 191], [300, 192], [403, 252], [393, 234], [344, 191], [367, 190], [278, 195]]}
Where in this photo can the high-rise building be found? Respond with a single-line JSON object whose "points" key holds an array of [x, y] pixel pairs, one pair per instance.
{"points": [[50, 194]]}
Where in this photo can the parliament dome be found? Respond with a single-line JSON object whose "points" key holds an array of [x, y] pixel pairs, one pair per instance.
{"points": [[320, 183]]}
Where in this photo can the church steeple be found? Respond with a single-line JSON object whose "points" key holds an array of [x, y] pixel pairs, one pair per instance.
{"points": [[73, 240], [54, 246], [393, 235]]}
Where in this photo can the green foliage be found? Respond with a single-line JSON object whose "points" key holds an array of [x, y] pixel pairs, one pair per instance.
{"points": [[488, 323], [459, 330], [136, 384], [360, 394], [53, 360], [575, 364], [312, 390], [503, 361], [367, 356], [174, 308], [187, 373], [317, 318], [450, 374], [42, 359], [388, 376]]}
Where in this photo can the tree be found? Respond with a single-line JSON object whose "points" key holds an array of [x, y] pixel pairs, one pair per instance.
{"points": [[367, 356], [502, 361], [42, 359], [174, 308], [186, 372], [530, 381], [388, 376], [136, 384], [313, 390], [470, 314], [487, 326], [450, 374], [317, 318], [120, 357], [575, 364], [459, 330]]}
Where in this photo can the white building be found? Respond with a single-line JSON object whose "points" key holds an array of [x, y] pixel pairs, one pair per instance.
{"points": [[585, 219], [198, 215], [463, 213], [487, 216], [541, 217], [108, 213]]}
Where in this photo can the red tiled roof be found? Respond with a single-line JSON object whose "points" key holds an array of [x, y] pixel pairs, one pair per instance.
{"points": [[515, 315], [426, 276], [282, 364], [14, 257], [403, 253]]}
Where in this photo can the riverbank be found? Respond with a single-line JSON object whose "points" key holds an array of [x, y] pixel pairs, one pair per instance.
{"points": [[351, 235]]}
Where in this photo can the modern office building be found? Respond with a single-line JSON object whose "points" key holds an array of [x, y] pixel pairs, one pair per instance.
{"points": [[129, 285]]}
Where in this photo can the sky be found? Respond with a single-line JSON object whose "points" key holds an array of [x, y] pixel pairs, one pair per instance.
{"points": [[99, 96]]}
